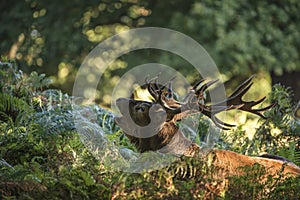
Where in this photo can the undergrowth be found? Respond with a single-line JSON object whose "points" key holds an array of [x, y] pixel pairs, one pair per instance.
{"points": [[42, 155]]}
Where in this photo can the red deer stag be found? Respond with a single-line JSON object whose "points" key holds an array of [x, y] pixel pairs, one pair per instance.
{"points": [[165, 136]]}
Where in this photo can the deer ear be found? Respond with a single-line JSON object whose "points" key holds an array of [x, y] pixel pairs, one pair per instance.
{"points": [[124, 124], [157, 114]]}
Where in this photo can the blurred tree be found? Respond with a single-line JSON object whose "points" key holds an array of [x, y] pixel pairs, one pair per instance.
{"points": [[246, 37], [53, 37]]}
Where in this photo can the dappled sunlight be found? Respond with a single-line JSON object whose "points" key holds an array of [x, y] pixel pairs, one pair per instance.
{"points": [[72, 136], [248, 122], [250, 127], [64, 69]]}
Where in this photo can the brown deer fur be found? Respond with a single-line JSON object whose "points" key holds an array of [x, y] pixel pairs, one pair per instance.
{"points": [[170, 139], [166, 137]]}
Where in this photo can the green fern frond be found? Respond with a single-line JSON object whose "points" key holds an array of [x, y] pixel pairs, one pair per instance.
{"points": [[14, 111]]}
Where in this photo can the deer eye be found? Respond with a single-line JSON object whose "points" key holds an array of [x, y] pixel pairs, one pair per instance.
{"points": [[140, 108]]}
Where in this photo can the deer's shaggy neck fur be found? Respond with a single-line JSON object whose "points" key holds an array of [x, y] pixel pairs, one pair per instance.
{"points": [[177, 144], [160, 140]]}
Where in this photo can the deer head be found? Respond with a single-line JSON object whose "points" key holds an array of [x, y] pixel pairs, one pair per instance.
{"points": [[152, 125]]}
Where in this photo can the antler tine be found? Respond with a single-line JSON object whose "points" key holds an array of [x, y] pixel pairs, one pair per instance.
{"points": [[157, 94], [154, 79], [169, 88], [150, 85], [152, 91], [199, 92], [235, 99], [157, 87], [205, 86], [260, 112], [207, 111], [242, 86], [170, 91], [220, 123], [198, 83], [223, 123], [171, 110]]}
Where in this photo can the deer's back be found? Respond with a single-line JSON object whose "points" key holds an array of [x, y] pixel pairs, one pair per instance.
{"points": [[233, 163]]}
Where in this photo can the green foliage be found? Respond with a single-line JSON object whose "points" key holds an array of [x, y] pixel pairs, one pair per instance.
{"points": [[252, 186], [13, 82], [242, 37], [14, 114], [285, 140], [41, 154]]}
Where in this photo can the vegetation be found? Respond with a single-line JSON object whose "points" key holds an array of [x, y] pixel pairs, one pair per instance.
{"points": [[243, 38], [41, 154], [43, 43]]}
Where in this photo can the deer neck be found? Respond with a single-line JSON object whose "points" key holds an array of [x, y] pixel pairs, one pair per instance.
{"points": [[178, 144]]}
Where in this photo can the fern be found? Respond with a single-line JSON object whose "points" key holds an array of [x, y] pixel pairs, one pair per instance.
{"points": [[291, 153], [280, 119], [14, 112], [17, 84]]}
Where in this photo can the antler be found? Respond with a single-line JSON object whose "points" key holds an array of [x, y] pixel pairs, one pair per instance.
{"points": [[234, 101], [194, 101], [164, 96]]}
